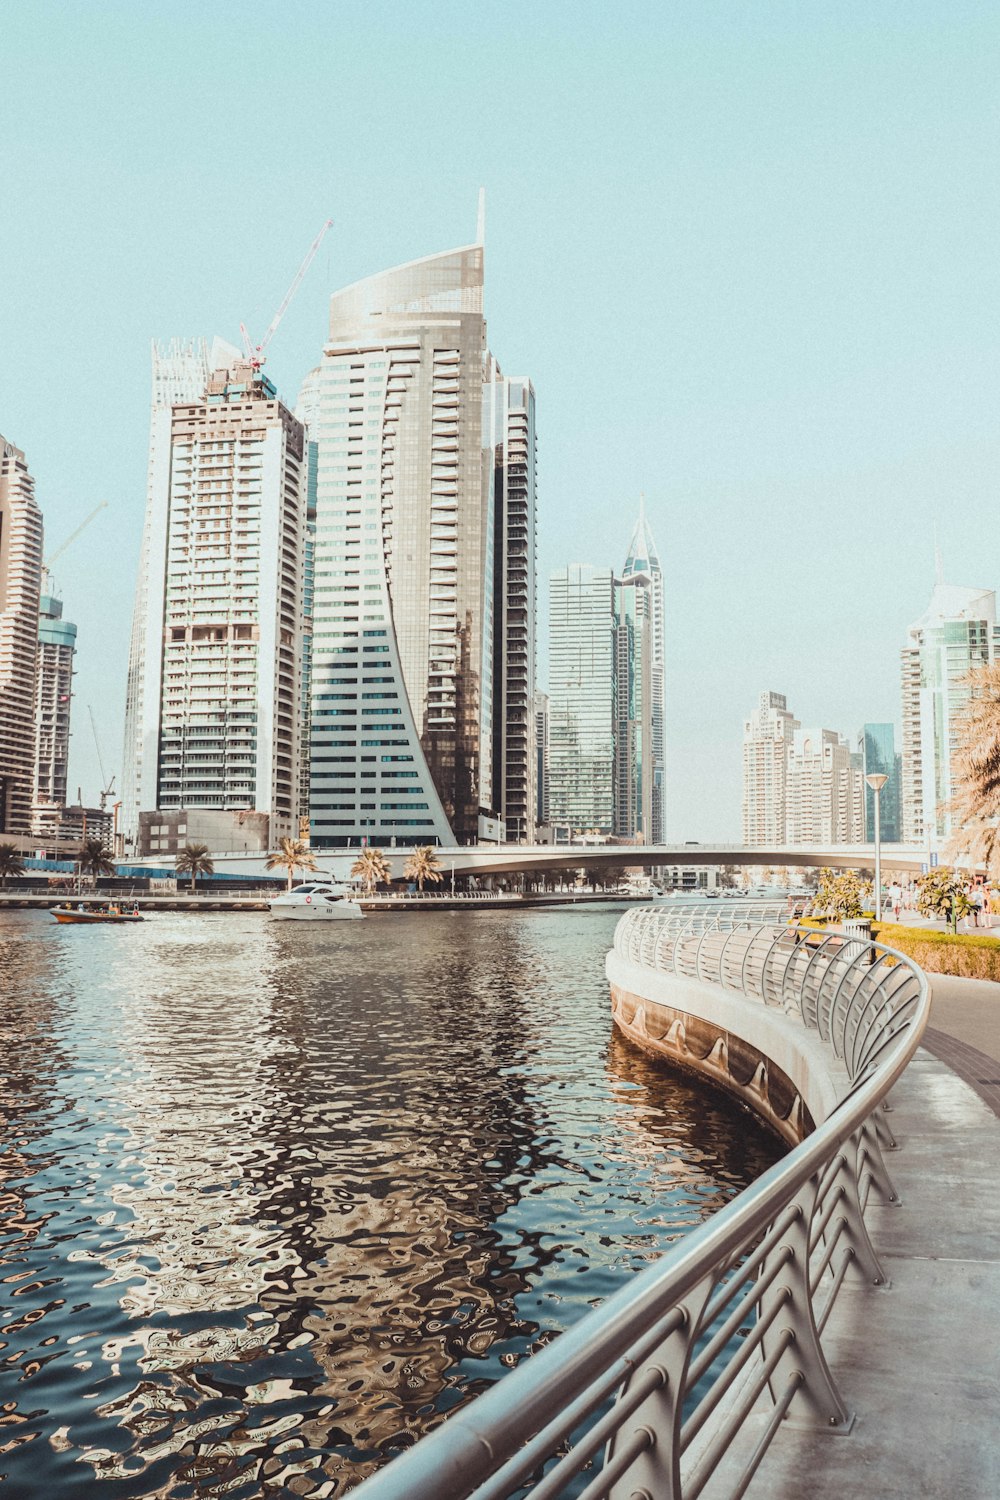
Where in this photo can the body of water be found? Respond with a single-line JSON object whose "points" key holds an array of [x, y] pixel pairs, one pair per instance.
{"points": [[274, 1196]]}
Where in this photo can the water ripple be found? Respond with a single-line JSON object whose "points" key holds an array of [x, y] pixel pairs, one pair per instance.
{"points": [[274, 1200]]}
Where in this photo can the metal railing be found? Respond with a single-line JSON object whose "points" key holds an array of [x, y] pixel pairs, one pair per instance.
{"points": [[646, 1396], [722, 913]]}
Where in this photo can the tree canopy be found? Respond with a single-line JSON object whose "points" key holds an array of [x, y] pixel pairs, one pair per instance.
{"points": [[941, 893], [194, 860], [94, 859], [423, 865], [291, 855], [975, 808], [371, 869], [11, 862]]}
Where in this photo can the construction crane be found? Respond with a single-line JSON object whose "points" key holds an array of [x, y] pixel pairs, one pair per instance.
{"points": [[106, 785], [47, 564], [256, 353]]}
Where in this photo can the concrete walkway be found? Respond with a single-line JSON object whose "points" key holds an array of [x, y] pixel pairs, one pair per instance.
{"points": [[964, 1032], [919, 1361]]}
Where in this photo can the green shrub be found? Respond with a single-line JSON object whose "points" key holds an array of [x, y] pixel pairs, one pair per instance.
{"points": [[967, 955]]}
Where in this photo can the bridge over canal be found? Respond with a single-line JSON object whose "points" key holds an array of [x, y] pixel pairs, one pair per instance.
{"points": [[507, 859]]}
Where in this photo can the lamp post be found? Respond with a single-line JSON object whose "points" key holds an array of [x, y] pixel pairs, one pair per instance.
{"points": [[877, 781]]}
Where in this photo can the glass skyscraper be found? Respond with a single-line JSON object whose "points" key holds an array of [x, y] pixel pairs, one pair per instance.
{"points": [[957, 633], [423, 569], [643, 559], [879, 755], [633, 707], [582, 672]]}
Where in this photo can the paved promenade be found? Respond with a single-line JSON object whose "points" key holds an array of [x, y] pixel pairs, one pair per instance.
{"points": [[919, 1362]]}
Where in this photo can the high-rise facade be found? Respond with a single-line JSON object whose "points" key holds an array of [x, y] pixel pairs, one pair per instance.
{"points": [[541, 760], [180, 371], [509, 423], [53, 702], [221, 729], [582, 676], [307, 412], [823, 790], [20, 590], [635, 692], [880, 756], [643, 558], [415, 722], [957, 633], [767, 741]]}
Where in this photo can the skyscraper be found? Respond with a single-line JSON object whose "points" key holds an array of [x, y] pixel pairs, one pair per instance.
{"points": [[420, 519], [307, 412], [582, 673], [510, 433], [180, 371], [823, 790], [957, 633], [635, 685], [221, 727], [879, 755], [20, 588], [643, 558], [767, 741], [53, 701], [541, 759]]}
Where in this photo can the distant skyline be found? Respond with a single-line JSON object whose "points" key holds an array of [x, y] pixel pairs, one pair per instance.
{"points": [[748, 257]]}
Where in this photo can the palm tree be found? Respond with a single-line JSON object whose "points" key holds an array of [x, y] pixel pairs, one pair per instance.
{"points": [[194, 860], [371, 869], [292, 855], [423, 864], [94, 859], [11, 862], [975, 809]]}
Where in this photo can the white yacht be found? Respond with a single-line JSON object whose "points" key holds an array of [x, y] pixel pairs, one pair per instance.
{"points": [[317, 900]]}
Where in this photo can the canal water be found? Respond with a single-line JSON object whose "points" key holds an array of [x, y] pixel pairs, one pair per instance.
{"points": [[273, 1197]]}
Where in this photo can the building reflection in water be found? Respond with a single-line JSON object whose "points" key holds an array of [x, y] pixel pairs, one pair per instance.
{"points": [[337, 1183]]}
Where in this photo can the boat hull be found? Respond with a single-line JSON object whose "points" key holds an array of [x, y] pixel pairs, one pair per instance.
{"points": [[84, 918], [317, 911]]}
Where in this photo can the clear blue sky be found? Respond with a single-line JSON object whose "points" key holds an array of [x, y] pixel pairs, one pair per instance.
{"points": [[747, 253]]}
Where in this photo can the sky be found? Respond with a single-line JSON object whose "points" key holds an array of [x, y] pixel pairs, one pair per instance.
{"points": [[748, 254]]}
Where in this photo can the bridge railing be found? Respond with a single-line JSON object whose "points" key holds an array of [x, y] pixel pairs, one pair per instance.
{"points": [[648, 1394]]}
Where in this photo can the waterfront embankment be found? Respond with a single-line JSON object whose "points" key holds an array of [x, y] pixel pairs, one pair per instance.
{"points": [[187, 901]]}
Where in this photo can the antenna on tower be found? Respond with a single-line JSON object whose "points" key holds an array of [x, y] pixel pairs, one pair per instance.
{"points": [[481, 218]]}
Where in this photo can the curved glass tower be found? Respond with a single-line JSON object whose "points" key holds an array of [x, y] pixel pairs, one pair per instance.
{"points": [[402, 643]]}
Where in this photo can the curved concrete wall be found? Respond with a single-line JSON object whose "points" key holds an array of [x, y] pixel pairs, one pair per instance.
{"points": [[764, 1056]]}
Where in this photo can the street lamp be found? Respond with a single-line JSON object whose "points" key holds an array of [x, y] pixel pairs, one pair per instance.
{"points": [[877, 781]]}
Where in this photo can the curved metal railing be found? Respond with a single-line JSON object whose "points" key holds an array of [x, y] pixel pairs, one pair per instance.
{"points": [[648, 1394], [723, 911]]}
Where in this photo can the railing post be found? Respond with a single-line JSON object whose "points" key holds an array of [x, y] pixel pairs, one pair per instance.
{"points": [[654, 1427], [847, 1221], [817, 1402], [870, 1155]]}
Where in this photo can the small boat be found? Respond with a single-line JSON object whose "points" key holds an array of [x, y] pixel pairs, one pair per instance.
{"points": [[316, 900], [105, 911]]}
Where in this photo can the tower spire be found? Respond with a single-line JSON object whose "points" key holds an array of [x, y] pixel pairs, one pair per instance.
{"points": [[481, 218]]}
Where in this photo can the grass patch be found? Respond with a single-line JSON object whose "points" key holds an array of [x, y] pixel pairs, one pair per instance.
{"points": [[965, 954]]}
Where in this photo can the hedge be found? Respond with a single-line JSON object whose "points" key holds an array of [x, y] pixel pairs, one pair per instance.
{"points": [[968, 955]]}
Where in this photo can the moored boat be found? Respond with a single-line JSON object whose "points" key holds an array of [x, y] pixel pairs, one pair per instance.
{"points": [[316, 900], [105, 911]]}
